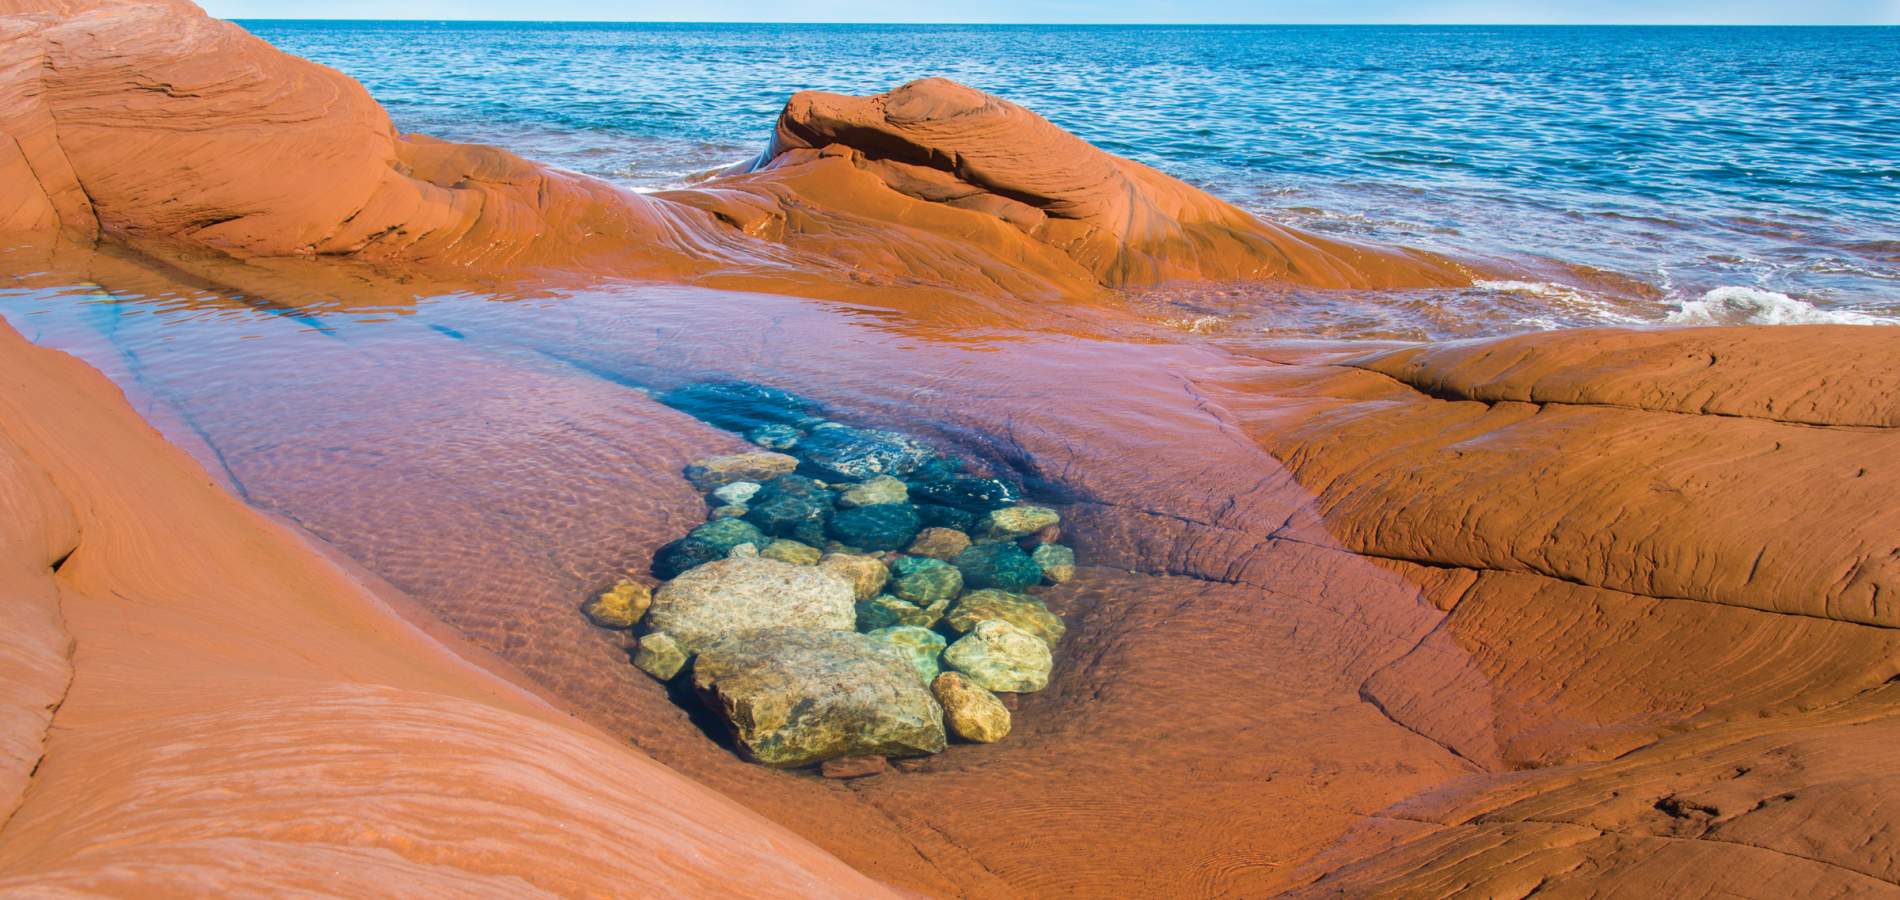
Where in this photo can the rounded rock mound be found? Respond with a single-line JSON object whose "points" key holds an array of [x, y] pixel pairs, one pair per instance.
{"points": [[749, 593]]}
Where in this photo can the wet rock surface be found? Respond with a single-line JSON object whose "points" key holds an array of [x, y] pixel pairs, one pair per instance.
{"points": [[731, 597], [789, 607], [794, 697]]}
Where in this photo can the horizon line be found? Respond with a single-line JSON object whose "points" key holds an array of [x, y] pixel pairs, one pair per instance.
{"points": [[1130, 24]]}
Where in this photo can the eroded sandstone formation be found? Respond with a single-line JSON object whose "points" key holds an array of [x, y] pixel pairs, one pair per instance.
{"points": [[152, 122], [1602, 609], [233, 712]]}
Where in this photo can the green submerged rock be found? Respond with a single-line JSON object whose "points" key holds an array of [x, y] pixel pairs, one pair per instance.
{"points": [[1013, 522], [659, 656], [925, 582], [787, 550], [1057, 562], [707, 543], [1001, 657], [921, 645], [998, 565], [890, 526], [1020, 610], [888, 610], [793, 697], [939, 516]]}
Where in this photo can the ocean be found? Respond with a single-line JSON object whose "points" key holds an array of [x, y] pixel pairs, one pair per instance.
{"points": [[1737, 174]]}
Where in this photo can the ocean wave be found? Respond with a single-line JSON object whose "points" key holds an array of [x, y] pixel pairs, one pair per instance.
{"points": [[1733, 305], [1561, 305]]}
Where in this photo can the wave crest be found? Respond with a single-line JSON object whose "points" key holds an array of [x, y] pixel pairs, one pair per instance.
{"points": [[1733, 305]]}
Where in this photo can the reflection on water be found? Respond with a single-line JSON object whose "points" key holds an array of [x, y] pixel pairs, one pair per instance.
{"points": [[499, 460]]}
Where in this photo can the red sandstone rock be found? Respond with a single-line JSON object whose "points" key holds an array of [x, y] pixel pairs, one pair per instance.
{"points": [[846, 767]]}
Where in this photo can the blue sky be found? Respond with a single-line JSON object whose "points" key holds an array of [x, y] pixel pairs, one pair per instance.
{"points": [[1081, 11]]}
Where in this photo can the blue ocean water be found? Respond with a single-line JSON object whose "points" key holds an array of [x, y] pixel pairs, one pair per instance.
{"points": [[1744, 173]]}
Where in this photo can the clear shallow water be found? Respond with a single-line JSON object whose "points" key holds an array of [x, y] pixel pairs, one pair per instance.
{"points": [[1760, 164]]}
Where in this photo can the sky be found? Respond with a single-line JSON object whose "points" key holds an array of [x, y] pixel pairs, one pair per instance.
{"points": [[1791, 12]]}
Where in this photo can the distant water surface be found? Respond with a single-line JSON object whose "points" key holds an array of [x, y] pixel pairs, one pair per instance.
{"points": [[1747, 174]]}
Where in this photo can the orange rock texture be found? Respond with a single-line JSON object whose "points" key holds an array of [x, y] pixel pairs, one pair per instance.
{"points": [[1592, 611]]}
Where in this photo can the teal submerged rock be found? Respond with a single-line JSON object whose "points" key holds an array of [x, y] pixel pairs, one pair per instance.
{"points": [[741, 406], [890, 526], [844, 453], [921, 645], [1000, 565], [925, 582], [939, 516], [971, 494], [775, 437], [791, 506]]}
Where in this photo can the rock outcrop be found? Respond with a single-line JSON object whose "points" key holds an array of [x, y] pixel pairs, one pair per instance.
{"points": [[244, 715], [150, 122]]}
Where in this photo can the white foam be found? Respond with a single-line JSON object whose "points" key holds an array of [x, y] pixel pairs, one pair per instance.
{"points": [[1567, 305], [1733, 305]]}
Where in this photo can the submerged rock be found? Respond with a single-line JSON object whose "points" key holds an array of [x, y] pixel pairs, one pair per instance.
{"points": [[888, 610], [620, 606], [876, 492], [890, 526], [738, 493], [744, 594], [918, 644], [1020, 610], [793, 697], [791, 506], [786, 550], [854, 454], [683, 555], [707, 543], [971, 494], [740, 406], [924, 581], [718, 471], [775, 437], [1056, 561], [972, 712], [933, 514], [659, 655], [1013, 522], [727, 512], [866, 575], [1001, 657], [939, 543], [999, 565]]}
